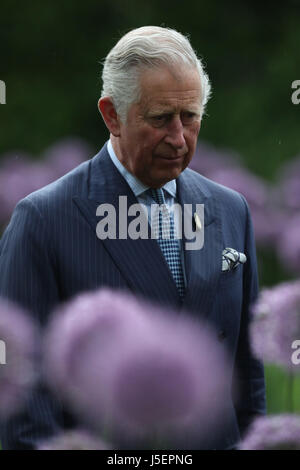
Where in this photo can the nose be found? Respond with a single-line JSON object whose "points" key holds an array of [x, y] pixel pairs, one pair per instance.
{"points": [[175, 135]]}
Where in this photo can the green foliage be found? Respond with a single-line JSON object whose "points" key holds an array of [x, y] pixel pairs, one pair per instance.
{"points": [[50, 62], [286, 398]]}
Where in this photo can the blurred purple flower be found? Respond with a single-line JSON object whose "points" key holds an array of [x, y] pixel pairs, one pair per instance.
{"points": [[241, 180], [66, 154], [21, 175], [268, 222], [18, 370], [89, 321], [288, 244], [137, 372], [289, 184], [208, 159], [276, 324], [166, 384], [266, 218], [279, 432], [74, 440], [226, 169], [18, 178]]}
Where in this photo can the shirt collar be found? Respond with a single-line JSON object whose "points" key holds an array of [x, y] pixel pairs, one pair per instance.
{"points": [[135, 184]]}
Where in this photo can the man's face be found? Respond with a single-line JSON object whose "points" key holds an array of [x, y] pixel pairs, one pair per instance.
{"points": [[159, 138]]}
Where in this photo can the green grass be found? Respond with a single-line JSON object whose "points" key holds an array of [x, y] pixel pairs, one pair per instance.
{"points": [[283, 394]]}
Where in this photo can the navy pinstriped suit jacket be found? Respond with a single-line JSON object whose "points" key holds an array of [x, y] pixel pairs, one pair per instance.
{"points": [[50, 252]]}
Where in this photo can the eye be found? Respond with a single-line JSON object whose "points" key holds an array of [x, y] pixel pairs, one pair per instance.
{"points": [[188, 117], [159, 120]]}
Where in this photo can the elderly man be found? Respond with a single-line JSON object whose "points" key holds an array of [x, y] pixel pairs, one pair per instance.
{"points": [[153, 98]]}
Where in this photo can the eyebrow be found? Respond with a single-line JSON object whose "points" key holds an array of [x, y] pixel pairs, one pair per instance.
{"points": [[167, 110]]}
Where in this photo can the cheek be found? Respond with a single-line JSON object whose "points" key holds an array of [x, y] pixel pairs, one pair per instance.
{"points": [[192, 136], [144, 148], [150, 141], [153, 136]]}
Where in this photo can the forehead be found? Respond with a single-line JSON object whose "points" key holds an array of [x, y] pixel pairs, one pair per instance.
{"points": [[163, 89]]}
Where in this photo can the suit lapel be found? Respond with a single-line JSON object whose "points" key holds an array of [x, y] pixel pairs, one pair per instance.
{"points": [[141, 262], [203, 266]]}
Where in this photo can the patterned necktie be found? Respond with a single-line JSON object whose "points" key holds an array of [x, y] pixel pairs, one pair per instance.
{"points": [[163, 227]]}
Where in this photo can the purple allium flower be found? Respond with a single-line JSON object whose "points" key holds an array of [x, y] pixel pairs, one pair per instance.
{"points": [[134, 371], [226, 169], [288, 244], [66, 154], [79, 439], [276, 324], [166, 384], [17, 359], [289, 184], [208, 159], [266, 218], [18, 178], [20, 175], [86, 323], [278, 432], [268, 222], [241, 180]]}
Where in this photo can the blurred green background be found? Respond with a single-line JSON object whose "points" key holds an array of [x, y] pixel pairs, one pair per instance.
{"points": [[50, 62]]}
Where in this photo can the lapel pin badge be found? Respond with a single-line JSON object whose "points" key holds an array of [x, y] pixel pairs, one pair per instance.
{"points": [[197, 221]]}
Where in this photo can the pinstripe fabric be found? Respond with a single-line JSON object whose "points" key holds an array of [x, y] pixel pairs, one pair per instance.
{"points": [[50, 252]]}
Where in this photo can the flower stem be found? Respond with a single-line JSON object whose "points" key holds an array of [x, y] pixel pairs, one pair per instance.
{"points": [[290, 394]]}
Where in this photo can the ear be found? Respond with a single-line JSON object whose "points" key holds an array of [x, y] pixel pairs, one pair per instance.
{"points": [[110, 116]]}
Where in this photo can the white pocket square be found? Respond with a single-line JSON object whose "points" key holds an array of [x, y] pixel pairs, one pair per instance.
{"points": [[232, 258]]}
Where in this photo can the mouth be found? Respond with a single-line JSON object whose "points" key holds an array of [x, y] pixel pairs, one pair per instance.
{"points": [[171, 158]]}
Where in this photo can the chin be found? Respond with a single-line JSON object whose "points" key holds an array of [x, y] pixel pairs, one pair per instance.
{"points": [[166, 177]]}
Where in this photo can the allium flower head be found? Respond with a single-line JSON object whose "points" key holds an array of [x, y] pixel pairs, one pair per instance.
{"points": [[289, 184], [20, 175], [288, 244], [18, 178], [276, 324], [135, 371], [279, 432], [81, 327], [226, 169], [208, 159], [66, 154], [18, 358], [74, 440], [266, 218], [242, 180]]}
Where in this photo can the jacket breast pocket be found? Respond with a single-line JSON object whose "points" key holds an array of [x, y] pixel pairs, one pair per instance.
{"points": [[234, 276]]}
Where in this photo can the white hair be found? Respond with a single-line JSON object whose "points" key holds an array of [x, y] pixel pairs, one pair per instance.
{"points": [[144, 48]]}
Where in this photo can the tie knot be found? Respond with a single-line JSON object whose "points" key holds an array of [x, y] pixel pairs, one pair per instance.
{"points": [[158, 195]]}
